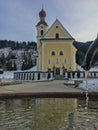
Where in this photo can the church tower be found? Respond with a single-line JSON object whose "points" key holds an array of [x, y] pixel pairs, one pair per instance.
{"points": [[42, 28], [55, 47]]}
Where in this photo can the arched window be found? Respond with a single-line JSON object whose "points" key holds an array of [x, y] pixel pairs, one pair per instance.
{"points": [[61, 53], [53, 53], [48, 61], [57, 61], [57, 35], [42, 32], [65, 61]]}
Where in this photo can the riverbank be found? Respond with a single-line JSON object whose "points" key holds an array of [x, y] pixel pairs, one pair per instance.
{"points": [[55, 88]]}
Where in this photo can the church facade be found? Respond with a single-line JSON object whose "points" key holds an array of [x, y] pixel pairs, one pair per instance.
{"points": [[55, 47]]}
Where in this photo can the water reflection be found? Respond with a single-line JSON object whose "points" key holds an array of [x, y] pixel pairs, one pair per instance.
{"points": [[48, 114]]}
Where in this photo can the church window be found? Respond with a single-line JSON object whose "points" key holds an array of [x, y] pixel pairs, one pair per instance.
{"points": [[48, 61], [42, 32], [57, 35], [56, 26], [61, 53], [65, 61], [57, 61], [53, 53]]}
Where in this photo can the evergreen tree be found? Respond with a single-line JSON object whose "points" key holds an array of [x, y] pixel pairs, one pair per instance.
{"points": [[79, 57], [9, 66], [24, 66], [15, 66], [2, 59]]}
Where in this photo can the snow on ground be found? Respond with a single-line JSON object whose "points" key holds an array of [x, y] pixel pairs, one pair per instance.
{"points": [[91, 84], [92, 69], [7, 76], [32, 69]]}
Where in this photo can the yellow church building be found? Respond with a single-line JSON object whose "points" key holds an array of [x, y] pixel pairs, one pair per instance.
{"points": [[55, 47]]}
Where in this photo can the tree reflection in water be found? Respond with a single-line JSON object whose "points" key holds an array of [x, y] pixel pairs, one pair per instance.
{"points": [[48, 114]]}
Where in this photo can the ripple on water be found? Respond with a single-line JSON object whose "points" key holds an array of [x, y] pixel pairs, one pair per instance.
{"points": [[48, 113]]}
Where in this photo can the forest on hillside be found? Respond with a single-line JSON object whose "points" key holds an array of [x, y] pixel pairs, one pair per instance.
{"points": [[17, 55], [81, 51], [18, 45]]}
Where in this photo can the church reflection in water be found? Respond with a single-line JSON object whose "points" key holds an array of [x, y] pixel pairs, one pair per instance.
{"points": [[47, 114]]}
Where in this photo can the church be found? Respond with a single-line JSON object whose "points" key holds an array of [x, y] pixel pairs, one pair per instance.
{"points": [[55, 47]]}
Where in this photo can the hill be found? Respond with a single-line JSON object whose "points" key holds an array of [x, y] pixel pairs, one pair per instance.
{"points": [[17, 55], [81, 51]]}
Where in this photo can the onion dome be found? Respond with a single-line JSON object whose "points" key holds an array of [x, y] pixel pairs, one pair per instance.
{"points": [[42, 15]]}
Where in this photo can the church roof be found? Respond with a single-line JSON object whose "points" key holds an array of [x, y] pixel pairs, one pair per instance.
{"points": [[58, 23], [42, 22], [52, 39]]}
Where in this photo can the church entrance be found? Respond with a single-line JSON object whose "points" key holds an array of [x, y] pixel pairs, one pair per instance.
{"points": [[57, 71]]}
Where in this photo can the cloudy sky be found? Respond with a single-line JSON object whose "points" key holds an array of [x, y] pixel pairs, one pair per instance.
{"points": [[18, 18]]}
